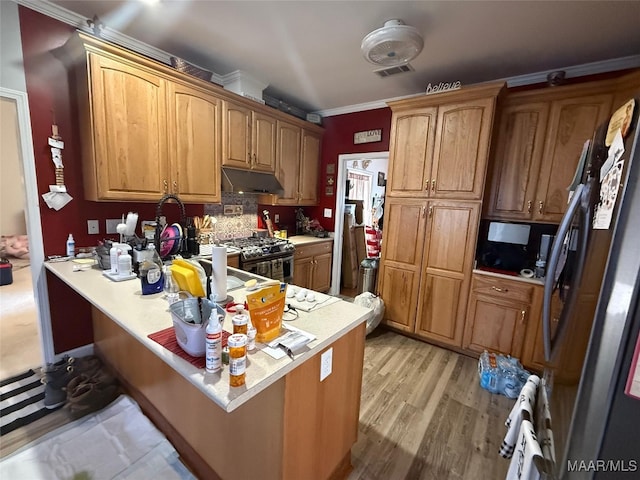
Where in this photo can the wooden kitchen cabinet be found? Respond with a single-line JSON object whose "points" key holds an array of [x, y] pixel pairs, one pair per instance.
{"points": [[144, 133], [297, 165], [249, 139], [312, 266], [498, 314], [194, 145], [427, 257], [540, 138], [440, 144]]}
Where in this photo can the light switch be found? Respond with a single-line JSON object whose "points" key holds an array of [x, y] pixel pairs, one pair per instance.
{"points": [[327, 213], [326, 360]]}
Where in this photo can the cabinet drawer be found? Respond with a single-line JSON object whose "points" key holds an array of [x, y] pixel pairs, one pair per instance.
{"points": [[500, 288], [314, 249]]}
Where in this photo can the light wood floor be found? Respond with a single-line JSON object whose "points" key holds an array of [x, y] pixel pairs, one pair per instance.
{"points": [[20, 347], [423, 415]]}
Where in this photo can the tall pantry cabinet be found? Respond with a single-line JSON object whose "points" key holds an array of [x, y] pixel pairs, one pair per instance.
{"points": [[437, 165]]}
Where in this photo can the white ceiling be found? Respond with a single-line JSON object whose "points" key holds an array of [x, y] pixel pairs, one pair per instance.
{"points": [[308, 52]]}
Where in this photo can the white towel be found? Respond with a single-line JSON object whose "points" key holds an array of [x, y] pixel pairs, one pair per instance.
{"points": [[525, 403], [527, 452]]}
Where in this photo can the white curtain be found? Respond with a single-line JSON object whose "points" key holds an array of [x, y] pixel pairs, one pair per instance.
{"points": [[360, 189]]}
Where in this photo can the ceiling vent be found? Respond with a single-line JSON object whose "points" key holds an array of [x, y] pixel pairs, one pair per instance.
{"points": [[387, 72], [392, 45]]}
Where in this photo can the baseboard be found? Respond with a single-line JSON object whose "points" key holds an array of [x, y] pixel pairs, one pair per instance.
{"points": [[82, 351]]}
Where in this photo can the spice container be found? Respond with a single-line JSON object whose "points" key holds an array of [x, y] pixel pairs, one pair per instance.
{"points": [[240, 323], [237, 344]]}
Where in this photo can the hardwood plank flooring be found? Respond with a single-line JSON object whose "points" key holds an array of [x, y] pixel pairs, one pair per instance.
{"points": [[423, 415]]}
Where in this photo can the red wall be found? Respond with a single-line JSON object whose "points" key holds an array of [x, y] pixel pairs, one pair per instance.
{"points": [[338, 140], [52, 100]]}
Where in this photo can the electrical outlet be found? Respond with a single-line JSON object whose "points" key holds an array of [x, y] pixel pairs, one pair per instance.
{"points": [[112, 225], [93, 227], [276, 217], [327, 213], [238, 210], [326, 360], [228, 210]]}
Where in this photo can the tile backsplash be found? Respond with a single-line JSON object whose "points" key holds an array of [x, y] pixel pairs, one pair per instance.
{"points": [[234, 226]]}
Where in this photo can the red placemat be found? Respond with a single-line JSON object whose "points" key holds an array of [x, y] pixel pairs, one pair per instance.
{"points": [[167, 338]]}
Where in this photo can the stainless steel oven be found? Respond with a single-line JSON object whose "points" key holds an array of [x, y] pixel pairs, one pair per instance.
{"points": [[276, 268], [267, 257]]}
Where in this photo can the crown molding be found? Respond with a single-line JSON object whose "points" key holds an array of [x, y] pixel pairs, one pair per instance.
{"points": [[78, 21], [612, 65]]}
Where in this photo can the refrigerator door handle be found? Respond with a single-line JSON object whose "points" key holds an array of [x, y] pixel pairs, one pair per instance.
{"points": [[552, 275]]}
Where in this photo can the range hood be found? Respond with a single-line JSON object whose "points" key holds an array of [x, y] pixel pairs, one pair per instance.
{"points": [[245, 181]]}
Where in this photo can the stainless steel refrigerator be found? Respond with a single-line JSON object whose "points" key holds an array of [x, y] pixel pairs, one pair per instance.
{"points": [[602, 440]]}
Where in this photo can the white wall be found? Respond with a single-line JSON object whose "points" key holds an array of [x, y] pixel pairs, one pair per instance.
{"points": [[11, 62], [12, 191]]}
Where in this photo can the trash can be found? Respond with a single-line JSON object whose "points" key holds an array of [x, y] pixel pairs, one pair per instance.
{"points": [[368, 275]]}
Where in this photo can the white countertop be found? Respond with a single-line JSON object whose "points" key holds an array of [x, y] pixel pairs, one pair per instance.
{"points": [[308, 239], [141, 315], [518, 278]]}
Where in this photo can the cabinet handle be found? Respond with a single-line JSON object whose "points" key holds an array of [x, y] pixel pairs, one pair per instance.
{"points": [[430, 211], [540, 206], [493, 287], [529, 206], [255, 159], [423, 210], [522, 315], [175, 186], [426, 185], [433, 185], [166, 186]]}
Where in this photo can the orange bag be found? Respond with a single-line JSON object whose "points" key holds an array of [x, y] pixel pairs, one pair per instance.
{"points": [[266, 307]]}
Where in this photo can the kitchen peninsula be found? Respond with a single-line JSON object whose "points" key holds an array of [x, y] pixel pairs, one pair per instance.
{"points": [[285, 423]]}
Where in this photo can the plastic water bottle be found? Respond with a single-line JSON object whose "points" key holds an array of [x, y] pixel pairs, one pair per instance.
{"points": [[213, 342], [170, 287], [71, 246]]}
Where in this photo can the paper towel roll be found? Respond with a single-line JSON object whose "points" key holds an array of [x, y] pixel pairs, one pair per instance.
{"points": [[219, 274]]}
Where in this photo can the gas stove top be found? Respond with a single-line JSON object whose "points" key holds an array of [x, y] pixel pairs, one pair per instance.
{"points": [[253, 248]]}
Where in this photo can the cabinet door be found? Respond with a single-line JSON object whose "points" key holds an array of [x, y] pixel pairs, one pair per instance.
{"points": [[129, 131], [236, 136], [322, 272], [411, 151], [288, 162], [264, 143], [194, 124], [448, 261], [516, 166], [571, 122], [496, 325], [461, 149], [302, 268], [402, 249], [309, 166]]}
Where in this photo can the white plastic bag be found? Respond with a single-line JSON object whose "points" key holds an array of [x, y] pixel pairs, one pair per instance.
{"points": [[375, 303]]}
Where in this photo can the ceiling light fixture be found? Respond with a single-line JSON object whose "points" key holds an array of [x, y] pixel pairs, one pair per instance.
{"points": [[392, 45]]}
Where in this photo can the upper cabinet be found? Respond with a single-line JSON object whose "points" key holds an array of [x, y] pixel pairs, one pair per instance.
{"points": [[249, 139], [297, 164], [149, 130], [540, 138], [440, 144], [144, 133]]}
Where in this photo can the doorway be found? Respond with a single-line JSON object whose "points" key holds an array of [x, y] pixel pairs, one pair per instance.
{"points": [[374, 164], [30, 332]]}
